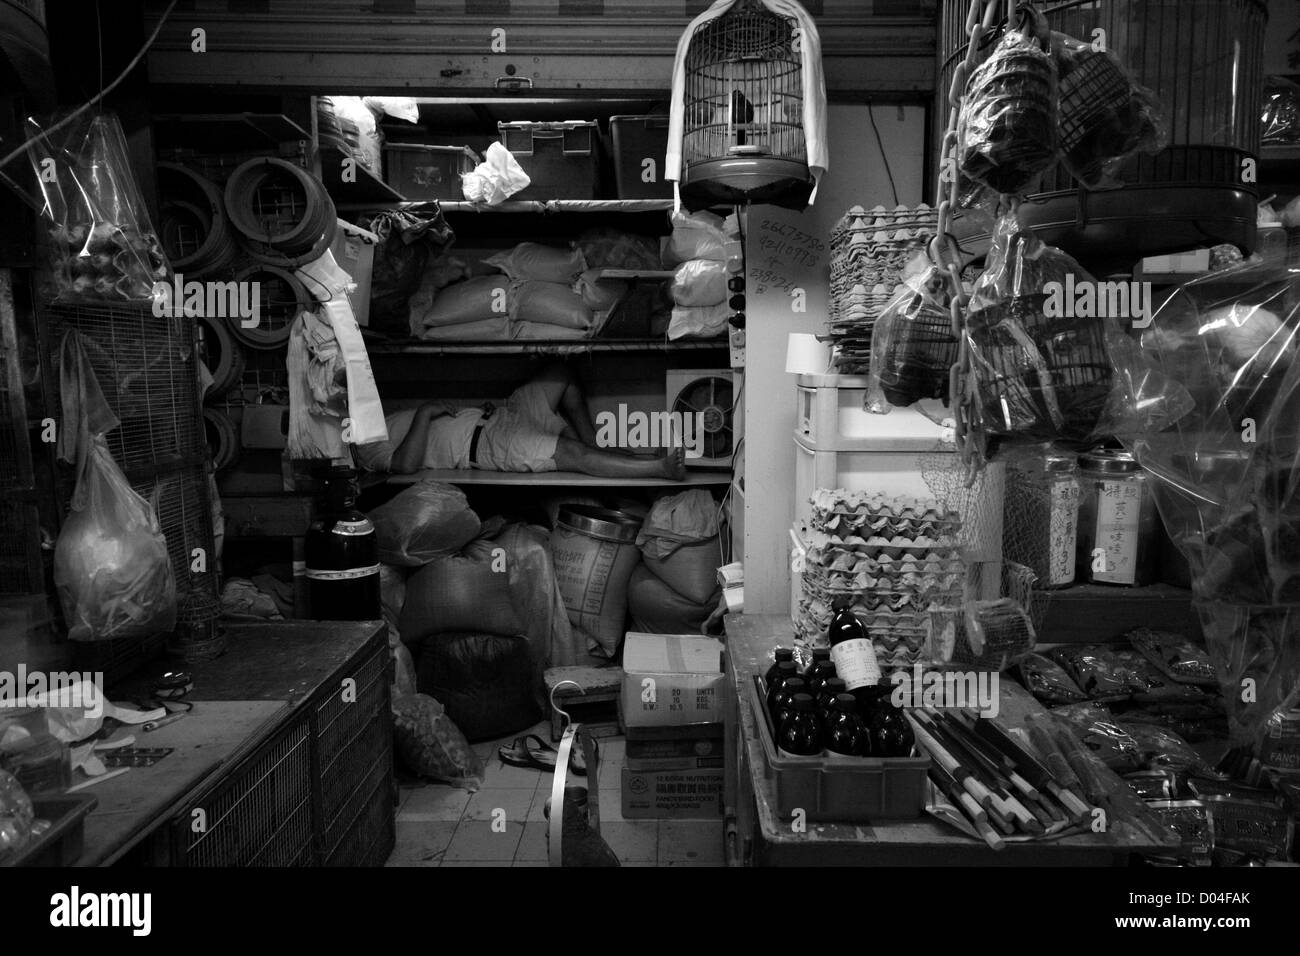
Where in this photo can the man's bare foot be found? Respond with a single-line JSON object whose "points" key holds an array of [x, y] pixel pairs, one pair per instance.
{"points": [[674, 464]]}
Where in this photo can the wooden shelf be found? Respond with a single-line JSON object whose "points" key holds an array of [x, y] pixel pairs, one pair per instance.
{"points": [[1096, 613], [368, 191], [558, 479], [558, 347]]}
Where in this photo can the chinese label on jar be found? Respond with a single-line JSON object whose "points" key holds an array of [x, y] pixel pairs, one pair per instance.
{"points": [[1063, 532], [1119, 514]]}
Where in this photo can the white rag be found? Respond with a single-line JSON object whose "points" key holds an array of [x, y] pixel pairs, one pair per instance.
{"points": [[814, 91]]}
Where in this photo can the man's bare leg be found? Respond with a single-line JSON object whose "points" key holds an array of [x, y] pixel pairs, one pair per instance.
{"points": [[573, 455]]}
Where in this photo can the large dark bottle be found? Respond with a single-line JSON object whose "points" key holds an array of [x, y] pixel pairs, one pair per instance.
{"points": [[783, 703], [852, 651], [799, 733], [821, 672], [342, 555], [842, 730], [777, 673]]}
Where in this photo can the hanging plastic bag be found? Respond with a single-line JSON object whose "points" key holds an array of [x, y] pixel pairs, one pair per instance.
{"points": [[701, 323], [696, 235], [1105, 117], [408, 240], [1007, 127], [700, 282], [1280, 122], [913, 347], [111, 568], [1039, 363], [102, 245], [495, 179]]}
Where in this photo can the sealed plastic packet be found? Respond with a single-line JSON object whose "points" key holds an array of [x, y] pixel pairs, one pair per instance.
{"points": [[912, 344], [96, 229]]}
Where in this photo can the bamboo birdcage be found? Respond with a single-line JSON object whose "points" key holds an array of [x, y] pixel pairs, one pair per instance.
{"points": [[743, 134]]}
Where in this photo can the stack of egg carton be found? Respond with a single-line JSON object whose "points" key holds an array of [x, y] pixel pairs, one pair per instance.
{"points": [[898, 560], [869, 251]]}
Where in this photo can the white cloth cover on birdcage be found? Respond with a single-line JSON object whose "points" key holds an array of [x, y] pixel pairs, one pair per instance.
{"points": [[814, 91]]}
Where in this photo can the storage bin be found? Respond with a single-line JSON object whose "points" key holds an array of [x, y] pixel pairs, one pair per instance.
{"points": [[830, 417], [839, 789], [640, 141], [561, 159], [421, 171]]}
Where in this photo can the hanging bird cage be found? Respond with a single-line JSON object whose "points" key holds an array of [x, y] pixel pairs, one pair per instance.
{"points": [[743, 132]]}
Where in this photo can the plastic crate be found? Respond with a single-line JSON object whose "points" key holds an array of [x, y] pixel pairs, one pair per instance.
{"points": [[638, 142], [561, 159], [421, 171], [840, 790]]}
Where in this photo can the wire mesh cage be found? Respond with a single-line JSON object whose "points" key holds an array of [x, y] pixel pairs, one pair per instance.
{"points": [[743, 136], [21, 569]]}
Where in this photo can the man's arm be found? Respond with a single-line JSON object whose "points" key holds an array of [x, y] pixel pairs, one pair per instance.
{"points": [[408, 457]]}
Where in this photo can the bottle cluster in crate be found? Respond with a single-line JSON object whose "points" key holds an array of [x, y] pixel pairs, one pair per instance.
{"points": [[814, 712], [894, 561]]}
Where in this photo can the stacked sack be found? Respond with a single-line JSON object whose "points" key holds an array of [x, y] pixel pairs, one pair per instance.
{"points": [[703, 253], [475, 604], [675, 587]]}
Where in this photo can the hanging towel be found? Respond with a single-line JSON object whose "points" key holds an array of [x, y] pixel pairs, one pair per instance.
{"points": [[814, 91]]}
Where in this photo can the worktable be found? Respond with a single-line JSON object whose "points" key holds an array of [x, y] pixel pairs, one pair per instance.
{"points": [[757, 837], [268, 722]]}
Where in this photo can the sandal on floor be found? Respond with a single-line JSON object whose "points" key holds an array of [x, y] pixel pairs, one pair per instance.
{"points": [[533, 752]]}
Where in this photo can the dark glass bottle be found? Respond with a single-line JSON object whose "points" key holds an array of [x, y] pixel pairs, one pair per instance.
{"points": [[784, 703], [784, 671], [342, 554], [821, 672], [891, 734], [852, 651], [783, 655], [799, 734], [819, 655], [842, 730], [830, 688]]}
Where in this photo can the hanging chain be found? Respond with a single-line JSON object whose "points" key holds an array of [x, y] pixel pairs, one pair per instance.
{"points": [[944, 253]]}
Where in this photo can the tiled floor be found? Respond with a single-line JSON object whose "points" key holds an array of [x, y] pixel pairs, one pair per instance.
{"points": [[502, 824]]}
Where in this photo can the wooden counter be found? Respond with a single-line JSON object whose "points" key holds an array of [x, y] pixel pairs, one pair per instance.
{"points": [[757, 837]]}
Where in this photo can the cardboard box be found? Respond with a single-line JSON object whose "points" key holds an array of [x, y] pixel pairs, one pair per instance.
{"points": [[672, 795], [354, 251], [706, 741], [680, 764], [672, 679]]}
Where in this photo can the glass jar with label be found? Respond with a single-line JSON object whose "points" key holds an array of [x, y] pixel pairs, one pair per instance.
{"points": [[1119, 526], [1041, 526]]}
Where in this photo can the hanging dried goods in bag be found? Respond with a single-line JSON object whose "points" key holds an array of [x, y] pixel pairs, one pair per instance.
{"points": [[913, 346], [101, 244], [1007, 127], [1041, 373]]}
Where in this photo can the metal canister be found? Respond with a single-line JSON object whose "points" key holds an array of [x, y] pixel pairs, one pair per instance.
{"points": [[1119, 526], [1041, 524]]}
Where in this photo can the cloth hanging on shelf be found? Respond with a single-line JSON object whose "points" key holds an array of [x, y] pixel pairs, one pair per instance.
{"points": [[814, 91]]}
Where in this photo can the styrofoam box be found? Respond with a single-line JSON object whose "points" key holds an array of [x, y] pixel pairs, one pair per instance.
{"points": [[830, 417]]}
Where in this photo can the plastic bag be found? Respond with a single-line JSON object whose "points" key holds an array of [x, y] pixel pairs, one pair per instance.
{"points": [[398, 107], [607, 248], [426, 520], [913, 347], [696, 235], [1042, 371], [474, 300], [408, 239], [549, 303], [430, 745], [1007, 126], [1095, 670], [460, 592], [700, 282], [1280, 121], [677, 520], [1048, 681], [601, 295], [1175, 656], [701, 323], [1104, 116], [318, 395], [102, 245], [16, 816], [361, 135], [111, 568], [495, 179], [532, 260]]}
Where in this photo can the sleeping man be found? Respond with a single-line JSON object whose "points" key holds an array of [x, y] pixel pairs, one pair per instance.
{"points": [[545, 425]]}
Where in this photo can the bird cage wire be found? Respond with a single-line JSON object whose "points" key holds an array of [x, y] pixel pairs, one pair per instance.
{"points": [[744, 87]]}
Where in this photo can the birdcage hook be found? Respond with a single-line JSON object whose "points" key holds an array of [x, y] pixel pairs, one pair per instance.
{"points": [[556, 707]]}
